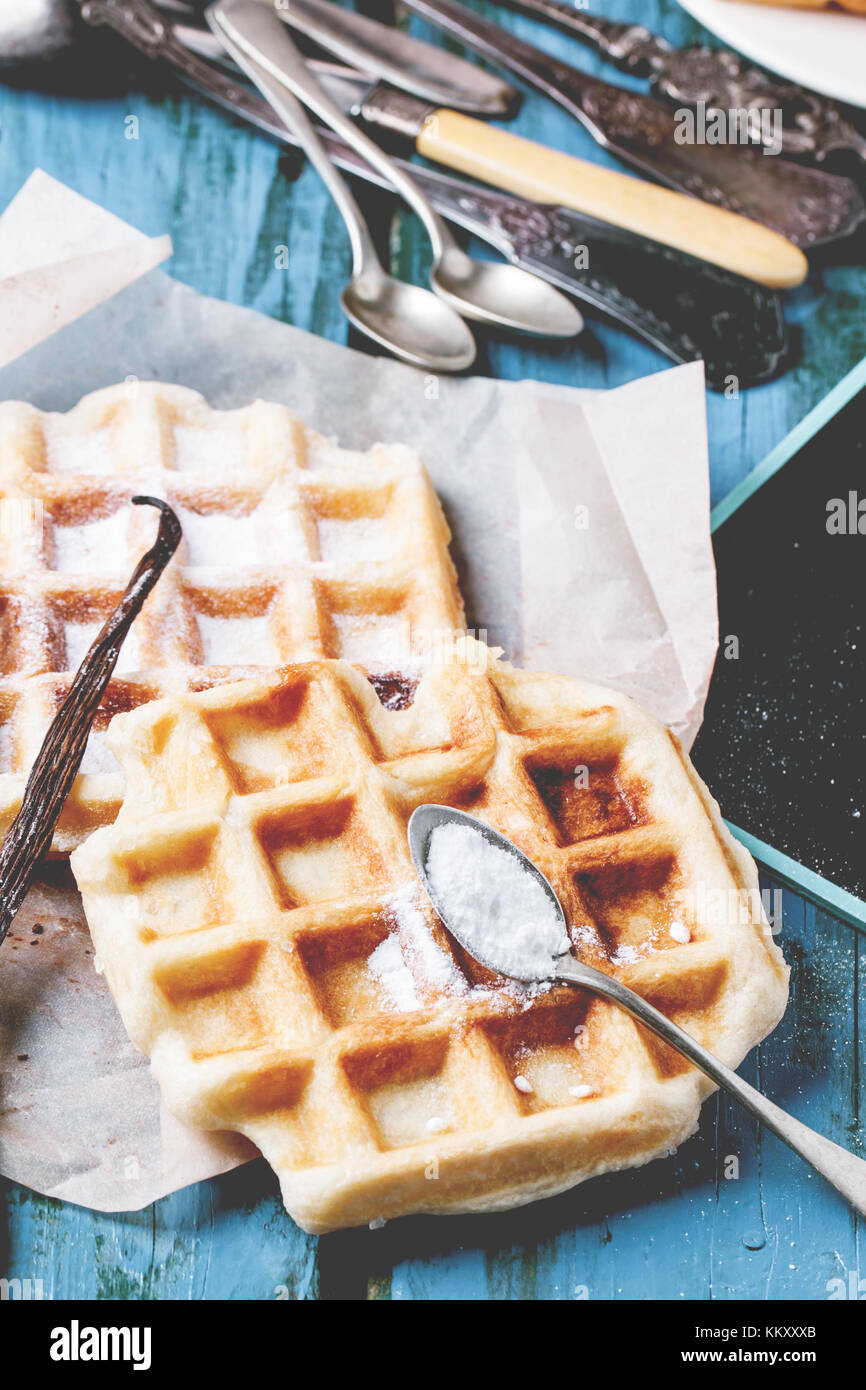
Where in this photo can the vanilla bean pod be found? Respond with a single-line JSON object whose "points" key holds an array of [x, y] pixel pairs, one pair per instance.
{"points": [[59, 758]]}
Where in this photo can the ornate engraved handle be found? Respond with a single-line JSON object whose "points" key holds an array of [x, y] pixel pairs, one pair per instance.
{"points": [[812, 124], [630, 46]]}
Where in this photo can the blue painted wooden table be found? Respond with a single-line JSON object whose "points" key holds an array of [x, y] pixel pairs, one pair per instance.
{"points": [[733, 1213]]}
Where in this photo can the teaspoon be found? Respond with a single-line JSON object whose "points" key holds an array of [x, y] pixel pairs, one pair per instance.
{"points": [[407, 320], [489, 292], [845, 1171]]}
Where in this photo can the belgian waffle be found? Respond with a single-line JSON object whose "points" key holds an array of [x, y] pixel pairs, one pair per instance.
{"points": [[293, 549], [267, 942]]}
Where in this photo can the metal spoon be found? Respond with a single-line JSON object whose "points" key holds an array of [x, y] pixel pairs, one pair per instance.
{"points": [[407, 320], [842, 1169], [483, 290]]}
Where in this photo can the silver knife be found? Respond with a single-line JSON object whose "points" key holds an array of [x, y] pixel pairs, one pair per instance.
{"points": [[368, 46], [812, 124], [808, 206], [407, 63]]}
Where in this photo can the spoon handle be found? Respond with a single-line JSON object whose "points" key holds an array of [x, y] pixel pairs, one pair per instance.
{"points": [[256, 30], [845, 1171], [292, 113]]}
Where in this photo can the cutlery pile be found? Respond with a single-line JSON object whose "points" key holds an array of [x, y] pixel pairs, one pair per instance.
{"points": [[691, 262]]}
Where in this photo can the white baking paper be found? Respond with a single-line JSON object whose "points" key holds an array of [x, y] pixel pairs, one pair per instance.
{"points": [[60, 255], [581, 533]]}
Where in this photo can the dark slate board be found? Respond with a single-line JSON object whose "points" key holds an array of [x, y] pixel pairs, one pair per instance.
{"points": [[782, 742]]}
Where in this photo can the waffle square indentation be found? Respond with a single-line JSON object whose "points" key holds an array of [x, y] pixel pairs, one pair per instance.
{"points": [[638, 907], [277, 740], [588, 799], [347, 987], [547, 1056], [323, 851], [215, 998], [405, 1088], [174, 883]]}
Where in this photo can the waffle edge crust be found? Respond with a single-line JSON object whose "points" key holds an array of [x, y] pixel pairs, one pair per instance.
{"points": [[264, 936]]}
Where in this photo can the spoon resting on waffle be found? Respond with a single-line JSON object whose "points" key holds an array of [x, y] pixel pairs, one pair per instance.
{"points": [[524, 934]]}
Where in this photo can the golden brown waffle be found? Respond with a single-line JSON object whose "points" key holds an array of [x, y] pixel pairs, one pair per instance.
{"points": [[265, 938], [293, 549]]}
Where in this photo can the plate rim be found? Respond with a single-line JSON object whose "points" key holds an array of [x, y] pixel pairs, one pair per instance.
{"points": [[727, 29]]}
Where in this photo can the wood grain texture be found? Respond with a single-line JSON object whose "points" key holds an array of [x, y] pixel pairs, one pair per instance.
{"points": [[681, 1228]]}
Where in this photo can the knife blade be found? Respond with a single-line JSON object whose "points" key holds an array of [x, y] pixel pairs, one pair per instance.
{"points": [[734, 324], [808, 206], [365, 44], [512, 162], [405, 62]]}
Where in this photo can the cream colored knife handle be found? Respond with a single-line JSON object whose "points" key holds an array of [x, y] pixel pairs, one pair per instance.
{"points": [[548, 176]]}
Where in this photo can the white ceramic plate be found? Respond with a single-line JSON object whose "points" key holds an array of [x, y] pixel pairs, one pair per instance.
{"points": [[822, 49]]}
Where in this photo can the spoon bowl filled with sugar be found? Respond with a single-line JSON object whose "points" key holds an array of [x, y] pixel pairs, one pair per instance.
{"points": [[503, 911]]}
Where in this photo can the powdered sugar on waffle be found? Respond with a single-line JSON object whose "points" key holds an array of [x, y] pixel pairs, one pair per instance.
{"points": [[205, 451], [236, 641], [97, 547], [87, 454], [342, 542], [221, 539], [389, 966], [412, 954], [97, 756], [80, 637], [381, 641], [430, 961], [354, 541], [6, 747]]}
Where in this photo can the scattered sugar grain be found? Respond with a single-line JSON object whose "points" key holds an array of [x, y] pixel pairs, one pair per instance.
{"points": [[680, 932], [522, 1084]]}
